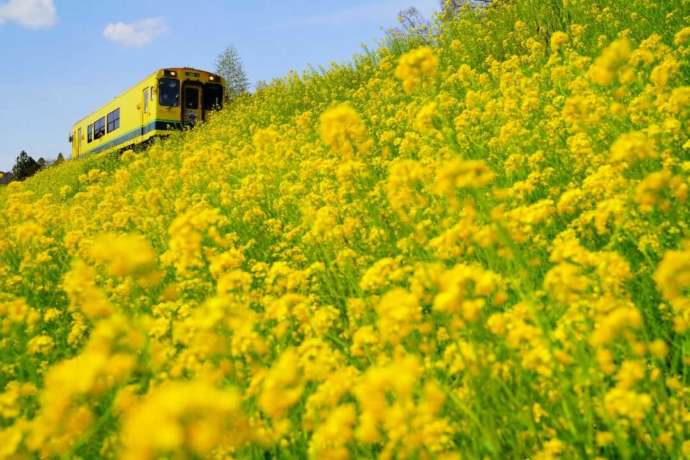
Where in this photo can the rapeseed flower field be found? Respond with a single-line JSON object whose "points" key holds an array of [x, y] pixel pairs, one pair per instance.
{"points": [[470, 243]]}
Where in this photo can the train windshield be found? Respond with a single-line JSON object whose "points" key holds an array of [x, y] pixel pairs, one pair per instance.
{"points": [[169, 92], [213, 96]]}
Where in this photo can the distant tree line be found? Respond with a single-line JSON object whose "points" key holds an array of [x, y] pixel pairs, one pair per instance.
{"points": [[25, 166]]}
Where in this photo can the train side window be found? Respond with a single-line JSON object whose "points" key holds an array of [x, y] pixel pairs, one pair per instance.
{"points": [[89, 134], [113, 120], [169, 92], [99, 128]]}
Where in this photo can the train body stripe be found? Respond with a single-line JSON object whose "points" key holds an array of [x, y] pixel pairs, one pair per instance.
{"points": [[156, 125]]}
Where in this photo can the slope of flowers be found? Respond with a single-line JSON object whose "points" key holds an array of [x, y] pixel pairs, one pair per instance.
{"points": [[468, 245]]}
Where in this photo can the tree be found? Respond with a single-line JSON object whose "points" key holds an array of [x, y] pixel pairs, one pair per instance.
{"points": [[414, 29], [60, 158], [25, 166], [229, 66], [412, 21]]}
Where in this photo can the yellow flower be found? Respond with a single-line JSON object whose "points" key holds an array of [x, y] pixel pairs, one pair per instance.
{"points": [[364, 338], [381, 274], [654, 189], [682, 36], [606, 66], [551, 450], [177, 416], [628, 404], [558, 39], [10, 400], [632, 147], [265, 139], [399, 314], [465, 289], [568, 202], [29, 232], [124, 254], [663, 73], [658, 349], [415, 67], [282, 386], [226, 262], [604, 438], [614, 323], [672, 276], [424, 121], [459, 174], [679, 101], [565, 282], [84, 294], [629, 374], [329, 441], [342, 129], [405, 179], [10, 438], [40, 344]]}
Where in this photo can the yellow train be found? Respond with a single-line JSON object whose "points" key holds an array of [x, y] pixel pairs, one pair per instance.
{"points": [[165, 101]]}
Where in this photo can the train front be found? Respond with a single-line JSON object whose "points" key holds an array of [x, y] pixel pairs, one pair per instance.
{"points": [[186, 96]]}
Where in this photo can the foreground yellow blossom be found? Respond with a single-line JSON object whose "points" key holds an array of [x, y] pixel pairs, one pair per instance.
{"points": [[472, 242], [415, 67]]}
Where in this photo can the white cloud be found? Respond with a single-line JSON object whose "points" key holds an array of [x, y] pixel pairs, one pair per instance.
{"points": [[32, 14], [138, 33]]}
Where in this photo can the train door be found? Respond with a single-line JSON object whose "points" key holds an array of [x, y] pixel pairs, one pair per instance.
{"points": [[191, 103], [146, 112], [78, 141]]}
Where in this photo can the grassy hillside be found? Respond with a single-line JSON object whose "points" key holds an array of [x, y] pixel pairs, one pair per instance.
{"points": [[472, 244]]}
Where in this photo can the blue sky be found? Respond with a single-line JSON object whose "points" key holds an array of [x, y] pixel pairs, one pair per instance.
{"points": [[61, 59]]}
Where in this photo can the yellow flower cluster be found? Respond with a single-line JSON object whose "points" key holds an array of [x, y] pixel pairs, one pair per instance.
{"points": [[473, 242], [416, 67], [191, 417], [342, 129]]}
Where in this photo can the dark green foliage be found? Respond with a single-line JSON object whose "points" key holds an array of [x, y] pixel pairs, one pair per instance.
{"points": [[25, 166]]}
